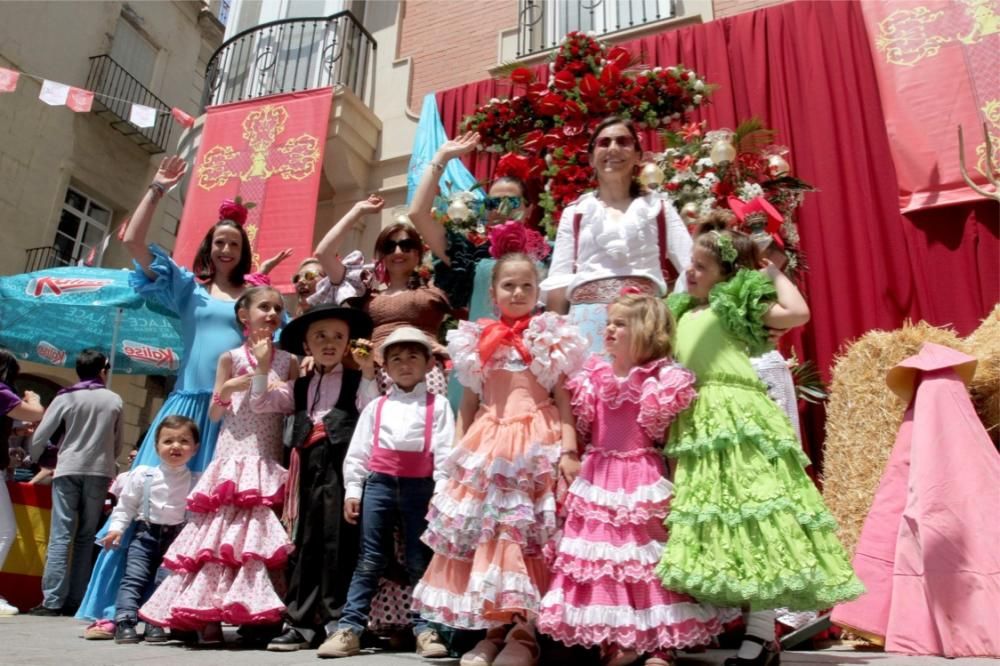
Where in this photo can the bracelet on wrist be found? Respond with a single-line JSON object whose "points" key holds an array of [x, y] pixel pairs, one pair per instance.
{"points": [[217, 400], [573, 453], [158, 190], [437, 166]]}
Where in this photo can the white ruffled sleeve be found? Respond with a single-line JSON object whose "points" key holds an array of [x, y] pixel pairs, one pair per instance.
{"points": [[352, 286], [463, 348], [556, 348]]}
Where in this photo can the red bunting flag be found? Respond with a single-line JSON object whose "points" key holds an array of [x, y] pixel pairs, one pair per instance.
{"points": [[80, 100], [8, 80], [183, 119]]}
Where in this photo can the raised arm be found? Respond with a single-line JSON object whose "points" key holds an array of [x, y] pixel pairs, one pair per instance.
{"points": [[329, 247], [172, 169], [791, 310], [29, 409], [427, 189]]}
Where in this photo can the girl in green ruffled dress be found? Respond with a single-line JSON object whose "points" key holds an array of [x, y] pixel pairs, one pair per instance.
{"points": [[747, 526]]}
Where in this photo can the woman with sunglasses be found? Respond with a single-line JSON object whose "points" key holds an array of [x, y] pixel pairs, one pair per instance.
{"points": [[393, 293], [614, 238]]}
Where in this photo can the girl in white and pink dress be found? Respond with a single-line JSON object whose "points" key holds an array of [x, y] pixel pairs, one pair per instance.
{"points": [[604, 590], [227, 561]]}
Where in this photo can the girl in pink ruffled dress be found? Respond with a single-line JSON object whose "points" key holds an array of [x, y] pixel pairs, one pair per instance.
{"points": [[604, 590], [488, 526], [229, 558]]}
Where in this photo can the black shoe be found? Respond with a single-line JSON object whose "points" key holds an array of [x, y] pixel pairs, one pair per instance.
{"points": [[290, 641], [155, 634], [44, 611], [770, 655], [125, 633]]}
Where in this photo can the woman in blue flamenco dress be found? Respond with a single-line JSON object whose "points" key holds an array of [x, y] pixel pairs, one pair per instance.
{"points": [[204, 301]]}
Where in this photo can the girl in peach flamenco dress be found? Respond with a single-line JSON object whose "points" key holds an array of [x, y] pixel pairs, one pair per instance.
{"points": [[227, 563], [488, 526]]}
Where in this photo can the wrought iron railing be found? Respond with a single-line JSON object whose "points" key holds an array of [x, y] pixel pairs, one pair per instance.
{"points": [[541, 24], [40, 258], [121, 90], [289, 55]]}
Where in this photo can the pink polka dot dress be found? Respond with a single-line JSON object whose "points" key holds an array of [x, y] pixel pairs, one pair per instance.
{"points": [[227, 563]]}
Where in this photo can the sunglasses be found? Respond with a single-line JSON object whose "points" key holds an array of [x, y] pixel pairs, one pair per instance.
{"points": [[307, 275], [622, 141], [501, 203], [405, 245]]}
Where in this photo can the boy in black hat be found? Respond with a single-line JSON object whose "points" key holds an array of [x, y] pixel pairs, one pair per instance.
{"points": [[326, 405]]}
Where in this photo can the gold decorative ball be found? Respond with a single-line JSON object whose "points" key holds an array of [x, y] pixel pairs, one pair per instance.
{"points": [[777, 166], [652, 176], [722, 152]]}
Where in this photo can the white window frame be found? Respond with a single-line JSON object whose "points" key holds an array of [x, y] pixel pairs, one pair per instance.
{"points": [[555, 9], [81, 249]]}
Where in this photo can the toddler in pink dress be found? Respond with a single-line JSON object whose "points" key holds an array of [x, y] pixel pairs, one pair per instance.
{"points": [[604, 589]]}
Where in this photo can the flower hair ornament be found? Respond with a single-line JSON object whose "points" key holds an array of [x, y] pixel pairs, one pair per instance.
{"points": [[631, 291], [236, 210], [512, 236], [727, 251]]}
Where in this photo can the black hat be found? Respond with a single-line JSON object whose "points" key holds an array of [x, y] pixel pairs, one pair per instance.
{"points": [[294, 334]]}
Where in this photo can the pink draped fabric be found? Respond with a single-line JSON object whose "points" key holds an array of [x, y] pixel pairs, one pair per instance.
{"points": [[928, 552]]}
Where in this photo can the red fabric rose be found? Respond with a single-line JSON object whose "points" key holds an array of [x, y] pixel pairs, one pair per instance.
{"points": [[233, 210], [611, 75], [590, 86], [619, 57], [564, 80], [513, 236], [522, 75]]}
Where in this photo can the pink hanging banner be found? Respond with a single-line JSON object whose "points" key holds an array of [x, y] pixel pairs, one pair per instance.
{"points": [[936, 63], [8, 80]]}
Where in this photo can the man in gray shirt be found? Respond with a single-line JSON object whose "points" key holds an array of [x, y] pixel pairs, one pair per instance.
{"points": [[89, 418]]}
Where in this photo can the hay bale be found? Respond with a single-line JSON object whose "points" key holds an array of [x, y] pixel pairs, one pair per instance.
{"points": [[984, 344], [862, 419]]}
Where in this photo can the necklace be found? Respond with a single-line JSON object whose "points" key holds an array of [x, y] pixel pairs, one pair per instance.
{"points": [[250, 357]]}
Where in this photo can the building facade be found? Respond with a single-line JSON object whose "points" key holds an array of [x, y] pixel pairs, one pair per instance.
{"points": [[69, 179]]}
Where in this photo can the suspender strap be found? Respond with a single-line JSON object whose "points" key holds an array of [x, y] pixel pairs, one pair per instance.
{"points": [[428, 421], [147, 485], [577, 219]]}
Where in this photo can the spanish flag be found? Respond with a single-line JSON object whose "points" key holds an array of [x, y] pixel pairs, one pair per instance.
{"points": [[21, 575]]}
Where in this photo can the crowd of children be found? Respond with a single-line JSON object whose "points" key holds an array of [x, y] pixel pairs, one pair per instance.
{"points": [[542, 506]]}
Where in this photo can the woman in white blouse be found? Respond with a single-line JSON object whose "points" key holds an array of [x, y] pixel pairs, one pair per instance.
{"points": [[613, 238]]}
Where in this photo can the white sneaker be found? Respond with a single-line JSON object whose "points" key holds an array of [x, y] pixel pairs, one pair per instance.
{"points": [[6, 608]]}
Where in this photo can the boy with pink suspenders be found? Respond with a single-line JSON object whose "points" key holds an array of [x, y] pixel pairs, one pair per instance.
{"points": [[396, 458]]}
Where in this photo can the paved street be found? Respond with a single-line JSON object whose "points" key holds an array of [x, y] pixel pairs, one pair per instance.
{"points": [[40, 641]]}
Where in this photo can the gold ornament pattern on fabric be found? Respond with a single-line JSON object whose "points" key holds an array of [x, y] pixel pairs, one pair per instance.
{"points": [[991, 112], [985, 20], [903, 36], [261, 129]]}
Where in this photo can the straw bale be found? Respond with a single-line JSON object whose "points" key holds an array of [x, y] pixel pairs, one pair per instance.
{"points": [[984, 344], [862, 419]]}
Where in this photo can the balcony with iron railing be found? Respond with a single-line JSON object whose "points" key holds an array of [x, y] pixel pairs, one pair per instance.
{"points": [[290, 55], [116, 91], [542, 24], [47, 256]]}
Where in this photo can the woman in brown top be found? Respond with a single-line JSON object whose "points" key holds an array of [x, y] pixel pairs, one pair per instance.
{"points": [[391, 291]]}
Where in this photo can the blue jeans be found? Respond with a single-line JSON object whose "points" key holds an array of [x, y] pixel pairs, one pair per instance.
{"points": [[143, 572], [77, 508], [388, 500]]}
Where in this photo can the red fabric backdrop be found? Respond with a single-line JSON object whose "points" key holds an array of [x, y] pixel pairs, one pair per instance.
{"points": [[806, 69]]}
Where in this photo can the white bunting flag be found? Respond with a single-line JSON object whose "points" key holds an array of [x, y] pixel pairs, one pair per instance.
{"points": [[142, 116], [8, 80], [53, 93]]}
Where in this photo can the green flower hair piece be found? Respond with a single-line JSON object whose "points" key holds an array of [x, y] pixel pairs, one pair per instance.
{"points": [[727, 251]]}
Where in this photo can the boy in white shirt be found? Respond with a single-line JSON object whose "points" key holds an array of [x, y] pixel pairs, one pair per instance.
{"points": [[396, 457], [156, 498]]}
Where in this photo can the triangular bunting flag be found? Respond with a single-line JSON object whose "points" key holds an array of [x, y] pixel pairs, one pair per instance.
{"points": [[80, 100], [8, 80], [53, 93], [142, 116], [183, 119]]}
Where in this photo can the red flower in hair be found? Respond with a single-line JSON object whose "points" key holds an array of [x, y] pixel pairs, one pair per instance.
{"points": [[233, 209], [513, 236]]}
